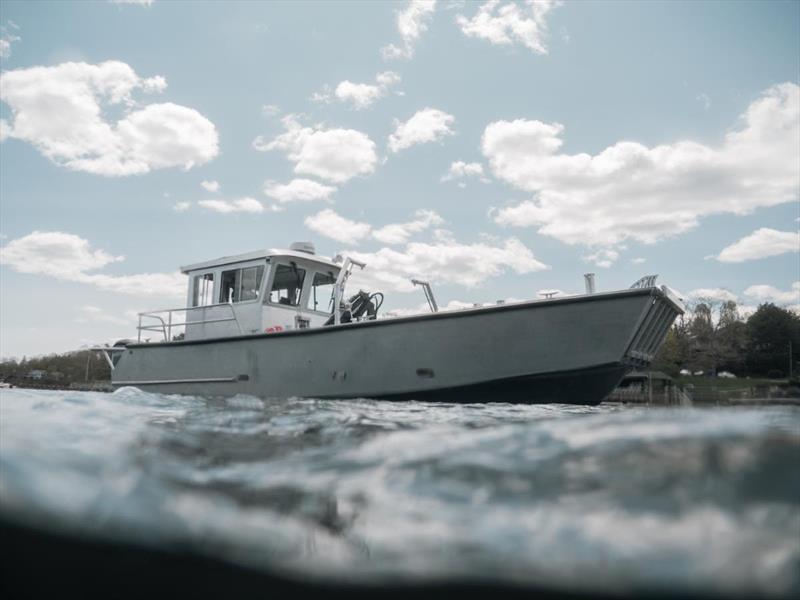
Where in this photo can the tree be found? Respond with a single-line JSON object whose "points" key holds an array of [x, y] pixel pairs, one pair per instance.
{"points": [[770, 330], [731, 339], [715, 337]]}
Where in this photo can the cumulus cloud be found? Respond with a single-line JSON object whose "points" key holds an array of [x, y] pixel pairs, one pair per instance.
{"points": [[712, 295], [332, 154], [510, 23], [363, 95], [451, 305], [68, 257], [461, 170], [760, 244], [242, 205], [442, 263], [768, 293], [270, 110], [332, 225], [631, 191], [426, 125], [210, 186], [61, 110], [398, 233], [338, 228], [56, 254], [412, 22], [603, 257], [298, 190], [181, 206], [7, 38]]}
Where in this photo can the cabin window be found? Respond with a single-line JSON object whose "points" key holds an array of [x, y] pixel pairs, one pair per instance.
{"points": [[203, 290], [287, 285], [321, 294], [229, 286], [240, 285], [251, 282]]}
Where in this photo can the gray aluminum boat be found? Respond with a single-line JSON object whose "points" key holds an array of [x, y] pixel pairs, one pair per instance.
{"points": [[276, 324]]}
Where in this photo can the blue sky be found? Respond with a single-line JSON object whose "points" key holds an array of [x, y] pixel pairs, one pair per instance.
{"points": [[510, 148]]}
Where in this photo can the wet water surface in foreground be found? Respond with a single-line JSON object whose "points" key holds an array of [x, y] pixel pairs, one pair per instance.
{"points": [[597, 499]]}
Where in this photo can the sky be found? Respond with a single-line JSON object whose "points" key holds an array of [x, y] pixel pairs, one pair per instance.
{"points": [[496, 149]]}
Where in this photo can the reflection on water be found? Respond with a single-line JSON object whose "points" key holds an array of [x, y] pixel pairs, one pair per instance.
{"points": [[626, 497]]}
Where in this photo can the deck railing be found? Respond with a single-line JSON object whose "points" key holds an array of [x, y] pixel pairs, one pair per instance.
{"points": [[164, 323]]}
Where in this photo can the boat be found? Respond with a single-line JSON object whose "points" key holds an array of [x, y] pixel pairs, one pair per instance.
{"points": [[279, 323]]}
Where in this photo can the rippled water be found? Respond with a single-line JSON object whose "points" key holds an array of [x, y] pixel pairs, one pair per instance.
{"points": [[606, 498]]}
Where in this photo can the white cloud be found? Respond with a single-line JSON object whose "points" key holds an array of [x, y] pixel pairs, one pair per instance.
{"points": [[398, 233], [705, 100], [332, 154], [324, 96], [181, 206], [630, 191], [768, 293], [638, 261], [139, 2], [243, 205], [603, 257], [7, 38], [412, 22], [210, 186], [60, 111], [760, 244], [460, 170], [442, 263], [270, 110], [298, 190], [68, 257], [336, 227], [362, 95], [712, 295], [510, 23], [426, 125], [54, 253], [141, 284], [332, 225]]}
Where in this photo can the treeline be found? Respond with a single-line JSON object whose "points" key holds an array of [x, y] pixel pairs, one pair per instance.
{"points": [[713, 337], [72, 367]]}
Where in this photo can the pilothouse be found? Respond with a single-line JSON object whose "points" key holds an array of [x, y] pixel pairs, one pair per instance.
{"points": [[266, 291]]}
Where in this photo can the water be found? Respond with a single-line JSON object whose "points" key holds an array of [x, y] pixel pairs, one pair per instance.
{"points": [[609, 498]]}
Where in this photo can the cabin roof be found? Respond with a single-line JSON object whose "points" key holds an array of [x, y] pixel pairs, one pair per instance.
{"points": [[257, 254]]}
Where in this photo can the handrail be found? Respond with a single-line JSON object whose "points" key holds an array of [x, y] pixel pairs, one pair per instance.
{"points": [[426, 287], [165, 327]]}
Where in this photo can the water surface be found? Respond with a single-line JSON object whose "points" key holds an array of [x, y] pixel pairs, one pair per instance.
{"points": [[609, 498]]}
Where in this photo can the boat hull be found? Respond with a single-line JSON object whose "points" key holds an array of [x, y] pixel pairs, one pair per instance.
{"points": [[571, 350]]}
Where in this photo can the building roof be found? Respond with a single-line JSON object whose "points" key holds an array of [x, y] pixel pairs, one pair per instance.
{"points": [[647, 375], [259, 254]]}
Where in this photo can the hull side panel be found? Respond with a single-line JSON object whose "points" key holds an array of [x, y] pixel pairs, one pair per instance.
{"points": [[547, 348]]}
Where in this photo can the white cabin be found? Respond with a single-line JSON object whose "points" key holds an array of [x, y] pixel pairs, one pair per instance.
{"points": [[264, 291]]}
